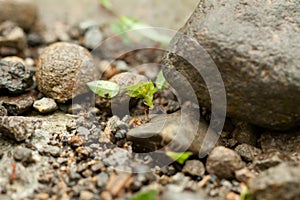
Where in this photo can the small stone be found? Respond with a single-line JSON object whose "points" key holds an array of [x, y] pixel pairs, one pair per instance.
{"points": [[22, 12], [247, 152], [14, 59], [12, 36], [171, 195], [93, 37], [223, 162], [42, 196], [106, 196], [86, 195], [52, 150], [280, 182], [14, 77], [45, 105], [102, 179], [63, 70], [244, 174], [3, 111], [23, 155], [194, 168], [17, 105], [19, 128]]}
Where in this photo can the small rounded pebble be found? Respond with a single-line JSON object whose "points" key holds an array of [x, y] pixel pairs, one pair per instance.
{"points": [[45, 105]]}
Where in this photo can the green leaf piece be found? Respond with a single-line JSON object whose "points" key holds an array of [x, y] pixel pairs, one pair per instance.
{"points": [[245, 194], [105, 3], [105, 89], [147, 195], [179, 157], [144, 91], [160, 81]]}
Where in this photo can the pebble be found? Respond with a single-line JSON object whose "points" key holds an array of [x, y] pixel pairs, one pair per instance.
{"points": [[244, 174], [86, 195], [12, 36], [247, 152], [3, 111], [14, 77], [93, 37], [14, 59], [280, 182], [59, 69], [171, 195], [17, 105], [194, 168], [23, 154], [223, 162], [19, 128], [42, 196], [45, 105], [52, 150]]}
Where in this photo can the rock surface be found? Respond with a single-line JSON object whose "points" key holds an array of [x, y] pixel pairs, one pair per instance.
{"points": [[280, 182], [63, 70], [17, 127], [174, 130], [22, 12], [3, 111], [223, 162], [14, 77], [255, 47]]}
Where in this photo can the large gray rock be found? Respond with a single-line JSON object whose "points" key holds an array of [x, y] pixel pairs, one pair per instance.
{"points": [[255, 45], [280, 182]]}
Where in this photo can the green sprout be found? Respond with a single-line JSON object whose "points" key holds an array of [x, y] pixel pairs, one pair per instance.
{"points": [[144, 91], [105, 89], [179, 157], [145, 195], [245, 194], [105, 3]]}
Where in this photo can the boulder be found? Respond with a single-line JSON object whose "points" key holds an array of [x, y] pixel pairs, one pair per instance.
{"points": [[255, 45]]}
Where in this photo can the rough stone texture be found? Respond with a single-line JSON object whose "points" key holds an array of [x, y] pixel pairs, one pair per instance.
{"points": [[22, 12], [194, 168], [247, 152], [14, 77], [255, 45], [63, 70], [16, 105], [3, 111], [12, 36], [45, 105], [223, 162], [280, 182], [284, 142], [18, 128], [169, 129]]}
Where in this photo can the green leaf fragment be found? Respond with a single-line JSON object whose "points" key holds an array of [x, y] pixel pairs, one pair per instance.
{"points": [[145, 195], [105, 89], [105, 3], [160, 81], [179, 157], [144, 91]]}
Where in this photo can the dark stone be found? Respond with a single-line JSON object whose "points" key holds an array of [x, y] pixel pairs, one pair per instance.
{"points": [[14, 77], [247, 152], [255, 47], [19, 104]]}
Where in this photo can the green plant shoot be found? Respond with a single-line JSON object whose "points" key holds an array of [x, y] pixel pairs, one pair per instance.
{"points": [[147, 195], [245, 194], [105, 89], [144, 91], [179, 157]]}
